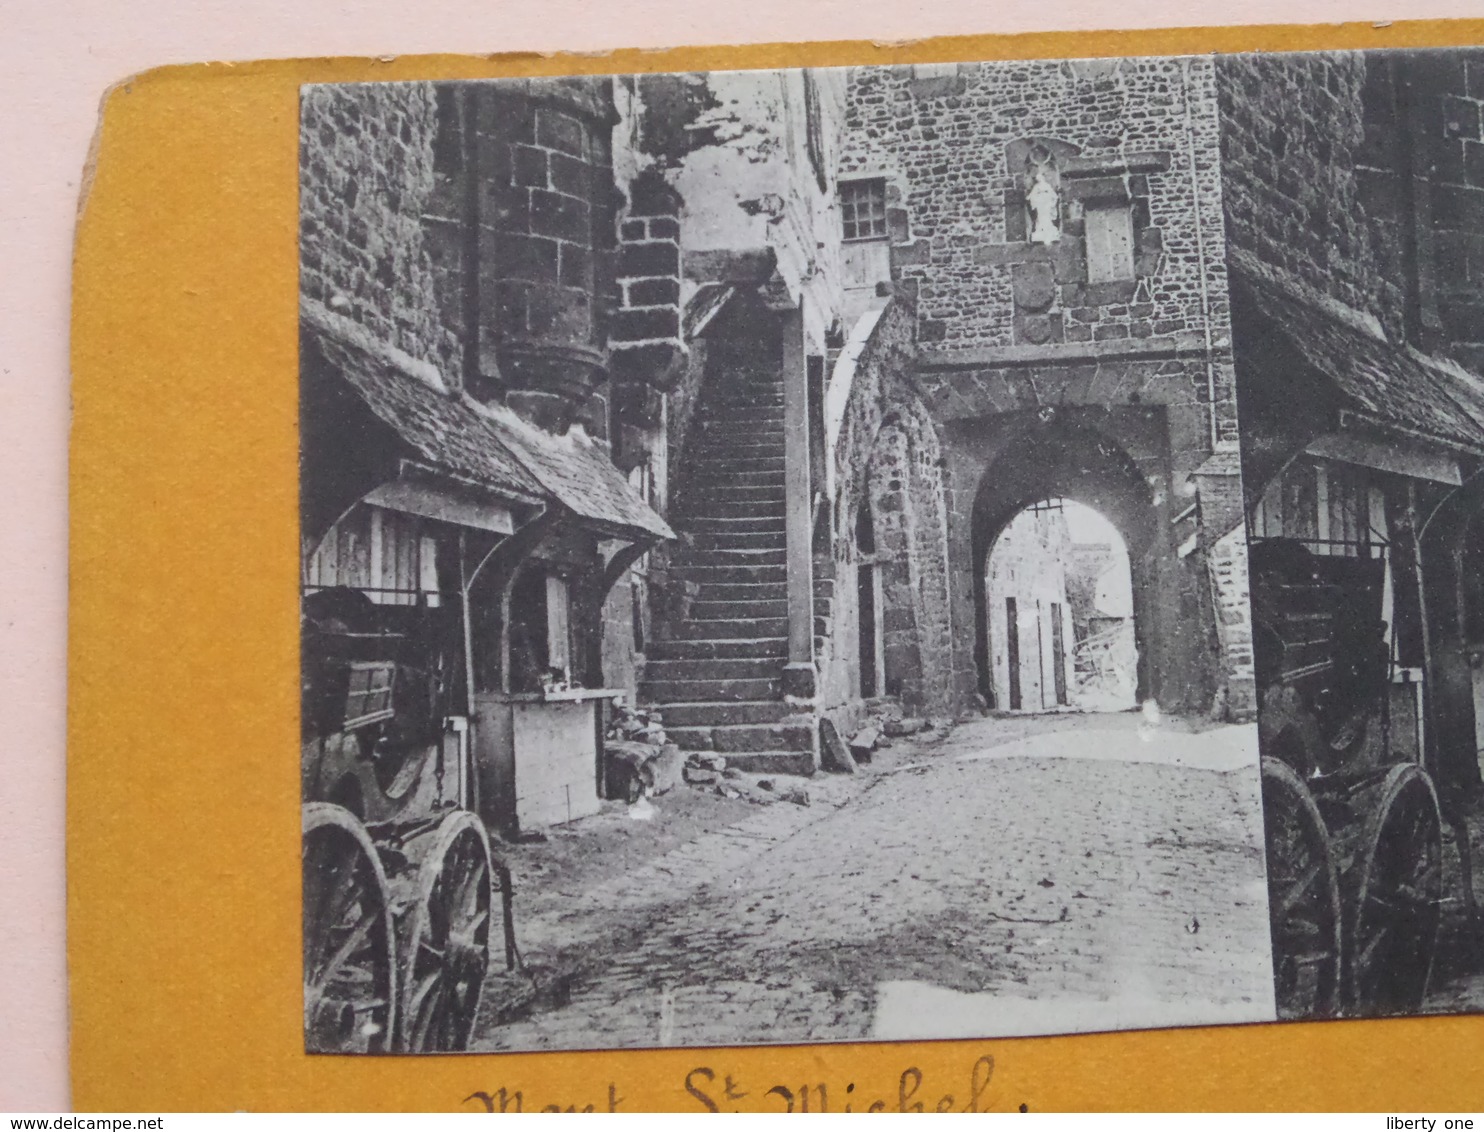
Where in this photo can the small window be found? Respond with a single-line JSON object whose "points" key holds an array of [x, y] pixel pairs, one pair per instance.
{"points": [[863, 209], [1110, 243]]}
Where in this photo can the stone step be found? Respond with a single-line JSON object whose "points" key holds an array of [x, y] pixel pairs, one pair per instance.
{"points": [[741, 540], [716, 629], [746, 574], [730, 524], [744, 509], [742, 435], [775, 648], [709, 463], [732, 442], [720, 713], [738, 610], [720, 668], [747, 393], [774, 762], [735, 556], [765, 407], [733, 455], [720, 473], [702, 496], [744, 737], [739, 425], [743, 591], [666, 692], [743, 411], [742, 432]]}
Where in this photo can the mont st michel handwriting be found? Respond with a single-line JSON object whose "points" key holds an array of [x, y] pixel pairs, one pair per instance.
{"points": [[713, 1090]]}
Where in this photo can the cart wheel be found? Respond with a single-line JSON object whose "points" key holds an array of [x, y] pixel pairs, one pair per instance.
{"points": [[1303, 897], [1398, 897], [447, 936], [349, 949]]}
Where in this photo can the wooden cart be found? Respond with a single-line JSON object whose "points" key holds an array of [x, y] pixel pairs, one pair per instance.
{"points": [[400, 884], [1354, 841]]}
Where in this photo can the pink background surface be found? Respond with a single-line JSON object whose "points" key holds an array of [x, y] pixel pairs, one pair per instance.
{"points": [[57, 57]]}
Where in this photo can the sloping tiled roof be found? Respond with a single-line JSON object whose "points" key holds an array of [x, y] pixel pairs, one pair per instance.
{"points": [[442, 430], [488, 444], [578, 473], [1384, 382]]}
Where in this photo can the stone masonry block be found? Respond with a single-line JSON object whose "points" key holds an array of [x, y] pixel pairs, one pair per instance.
{"points": [[650, 259], [556, 214]]}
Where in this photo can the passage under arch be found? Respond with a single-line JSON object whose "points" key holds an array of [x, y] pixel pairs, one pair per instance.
{"points": [[1059, 612]]}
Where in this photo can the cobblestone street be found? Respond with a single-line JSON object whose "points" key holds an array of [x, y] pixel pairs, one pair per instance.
{"points": [[1054, 874]]}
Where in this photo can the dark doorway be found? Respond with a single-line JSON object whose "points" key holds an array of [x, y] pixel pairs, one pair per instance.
{"points": [[1012, 648], [1058, 655]]}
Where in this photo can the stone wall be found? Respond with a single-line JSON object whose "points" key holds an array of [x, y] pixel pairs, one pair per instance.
{"points": [[1291, 130], [366, 175], [954, 154], [1452, 117], [1227, 561], [751, 156], [1360, 176], [887, 441]]}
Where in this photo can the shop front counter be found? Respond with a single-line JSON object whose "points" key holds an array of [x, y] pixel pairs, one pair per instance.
{"points": [[538, 756]]}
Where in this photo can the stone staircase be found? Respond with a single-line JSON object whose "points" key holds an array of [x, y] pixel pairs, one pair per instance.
{"points": [[716, 676]]}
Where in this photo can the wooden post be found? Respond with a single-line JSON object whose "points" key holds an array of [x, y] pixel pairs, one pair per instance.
{"points": [[466, 766], [800, 678]]}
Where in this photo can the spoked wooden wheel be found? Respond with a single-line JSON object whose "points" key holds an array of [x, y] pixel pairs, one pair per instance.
{"points": [[350, 990], [1303, 897], [1397, 897], [447, 936]]}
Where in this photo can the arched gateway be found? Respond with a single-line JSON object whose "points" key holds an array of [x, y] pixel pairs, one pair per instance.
{"points": [[1042, 464]]}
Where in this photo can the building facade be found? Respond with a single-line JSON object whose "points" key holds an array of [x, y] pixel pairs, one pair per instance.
{"points": [[1355, 209], [1055, 230]]}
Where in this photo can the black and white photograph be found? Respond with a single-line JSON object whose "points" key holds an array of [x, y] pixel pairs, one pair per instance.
{"points": [[878, 553]]}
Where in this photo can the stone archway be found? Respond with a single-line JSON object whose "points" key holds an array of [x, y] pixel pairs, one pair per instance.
{"points": [[1066, 459]]}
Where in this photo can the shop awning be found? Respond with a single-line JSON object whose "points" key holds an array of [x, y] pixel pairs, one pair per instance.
{"points": [[433, 502]]}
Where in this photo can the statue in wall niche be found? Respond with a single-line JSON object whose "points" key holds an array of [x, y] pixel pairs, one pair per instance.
{"points": [[1043, 198]]}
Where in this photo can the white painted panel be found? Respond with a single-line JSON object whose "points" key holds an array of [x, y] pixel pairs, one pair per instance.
{"points": [[555, 762], [1110, 243]]}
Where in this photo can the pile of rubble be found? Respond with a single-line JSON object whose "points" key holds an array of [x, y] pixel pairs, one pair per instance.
{"points": [[638, 758], [706, 771], [881, 729], [639, 761]]}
